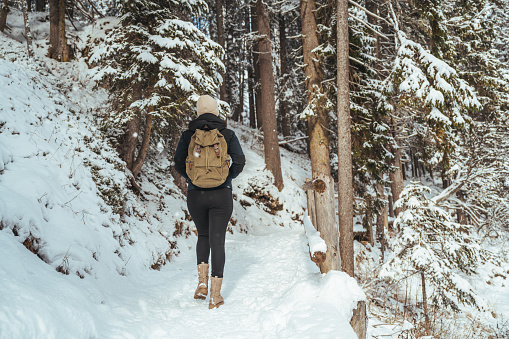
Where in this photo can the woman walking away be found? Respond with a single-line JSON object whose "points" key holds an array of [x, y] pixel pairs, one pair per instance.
{"points": [[209, 156]]}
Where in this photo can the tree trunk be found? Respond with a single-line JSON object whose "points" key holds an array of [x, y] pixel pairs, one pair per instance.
{"points": [[250, 73], [40, 5], [220, 41], [128, 147], [319, 139], [425, 305], [256, 64], [54, 24], [381, 221], [283, 109], [345, 188], [396, 177], [359, 320], [144, 145], [270, 140], [62, 45], [24, 7], [59, 50], [3, 15]]}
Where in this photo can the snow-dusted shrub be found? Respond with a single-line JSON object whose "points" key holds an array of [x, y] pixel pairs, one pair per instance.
{"points": [[431, 243], [263, 192]]}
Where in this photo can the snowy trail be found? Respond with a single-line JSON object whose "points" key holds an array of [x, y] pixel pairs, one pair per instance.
{"points": [[271, 290]]}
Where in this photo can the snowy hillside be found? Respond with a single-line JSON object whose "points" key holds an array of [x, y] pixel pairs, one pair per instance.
{"points": [[75, 264]]}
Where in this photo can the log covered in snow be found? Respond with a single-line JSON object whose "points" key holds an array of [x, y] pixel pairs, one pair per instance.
{"points": [[317, 246]]}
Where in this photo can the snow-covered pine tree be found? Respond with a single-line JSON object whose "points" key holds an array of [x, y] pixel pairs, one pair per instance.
{"points": [[431, 243], [429, 101], [475, 34], [369, 128], [155, 64]]}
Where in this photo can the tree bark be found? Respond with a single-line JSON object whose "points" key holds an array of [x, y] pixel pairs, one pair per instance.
{"points": [[40, 5], [250, 73], [24, 8], [128, 147], [3, 15], [256, 64], [425, 305], [345, 188], [381, 221], [63, 48], [59, 50], [283, 107], [396, 177], [319, 140], [54, 24], [144, 145], [220, 41], [270, 140]]}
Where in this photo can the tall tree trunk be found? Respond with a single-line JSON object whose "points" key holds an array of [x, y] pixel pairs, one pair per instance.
{"points": [[40, 5], [270, 139], [345, 188], [24, 7], [396, 177], [250, 84], [250, 72], [3, 14], [144, 145], [256, 64], [54, 24], [319, 139], [381, 221], [283, 107], [220, 41], [425, 305], [59, 50], [62, 45]]}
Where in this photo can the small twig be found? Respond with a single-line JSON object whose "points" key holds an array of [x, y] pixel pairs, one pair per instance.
{"points": [[73, 198], [369, 27], [370, 13], [293, 140]]}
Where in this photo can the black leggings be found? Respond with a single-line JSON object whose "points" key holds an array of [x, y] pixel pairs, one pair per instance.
{"points": [[211, 211]]}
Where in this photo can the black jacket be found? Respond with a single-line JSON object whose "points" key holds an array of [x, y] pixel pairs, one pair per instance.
{"points": [[210, 121]]}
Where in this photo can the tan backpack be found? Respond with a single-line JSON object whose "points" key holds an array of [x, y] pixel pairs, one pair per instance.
{"points": [[208, 162]]}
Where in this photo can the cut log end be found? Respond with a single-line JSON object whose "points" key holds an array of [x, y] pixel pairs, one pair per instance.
{"points": [[318, 257], [317, 184]]}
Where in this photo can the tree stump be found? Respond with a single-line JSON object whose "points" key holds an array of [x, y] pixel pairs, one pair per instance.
{"points": [[359, 320]]}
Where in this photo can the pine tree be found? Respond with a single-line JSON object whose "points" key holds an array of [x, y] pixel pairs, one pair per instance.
{"points": [[431, 243], [155, 65]]}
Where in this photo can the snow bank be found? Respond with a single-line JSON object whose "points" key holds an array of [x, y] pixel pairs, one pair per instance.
{"points": [[331, 300]]}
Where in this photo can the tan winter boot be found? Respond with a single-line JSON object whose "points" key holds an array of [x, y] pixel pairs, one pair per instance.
{"points": [[216, 299], [203, 282]]}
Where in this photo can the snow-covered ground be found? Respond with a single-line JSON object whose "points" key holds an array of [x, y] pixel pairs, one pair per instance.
{"points": [[72, 267], [133, 276]]}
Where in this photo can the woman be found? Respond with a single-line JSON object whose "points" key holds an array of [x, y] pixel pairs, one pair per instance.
{"points": [[210, 208]]}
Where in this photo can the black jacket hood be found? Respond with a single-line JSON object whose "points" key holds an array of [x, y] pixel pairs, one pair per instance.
{"points": [[207, 121]]}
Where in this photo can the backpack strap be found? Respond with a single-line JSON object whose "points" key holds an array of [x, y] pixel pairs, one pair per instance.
{"points": [[187, 136]]}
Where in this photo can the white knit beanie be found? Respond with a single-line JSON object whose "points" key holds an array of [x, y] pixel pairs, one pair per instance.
{"points": [[207, 104]]}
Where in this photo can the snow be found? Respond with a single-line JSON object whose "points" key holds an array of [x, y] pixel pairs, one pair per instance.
{"points": [[316, 243], [55, 171]]}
